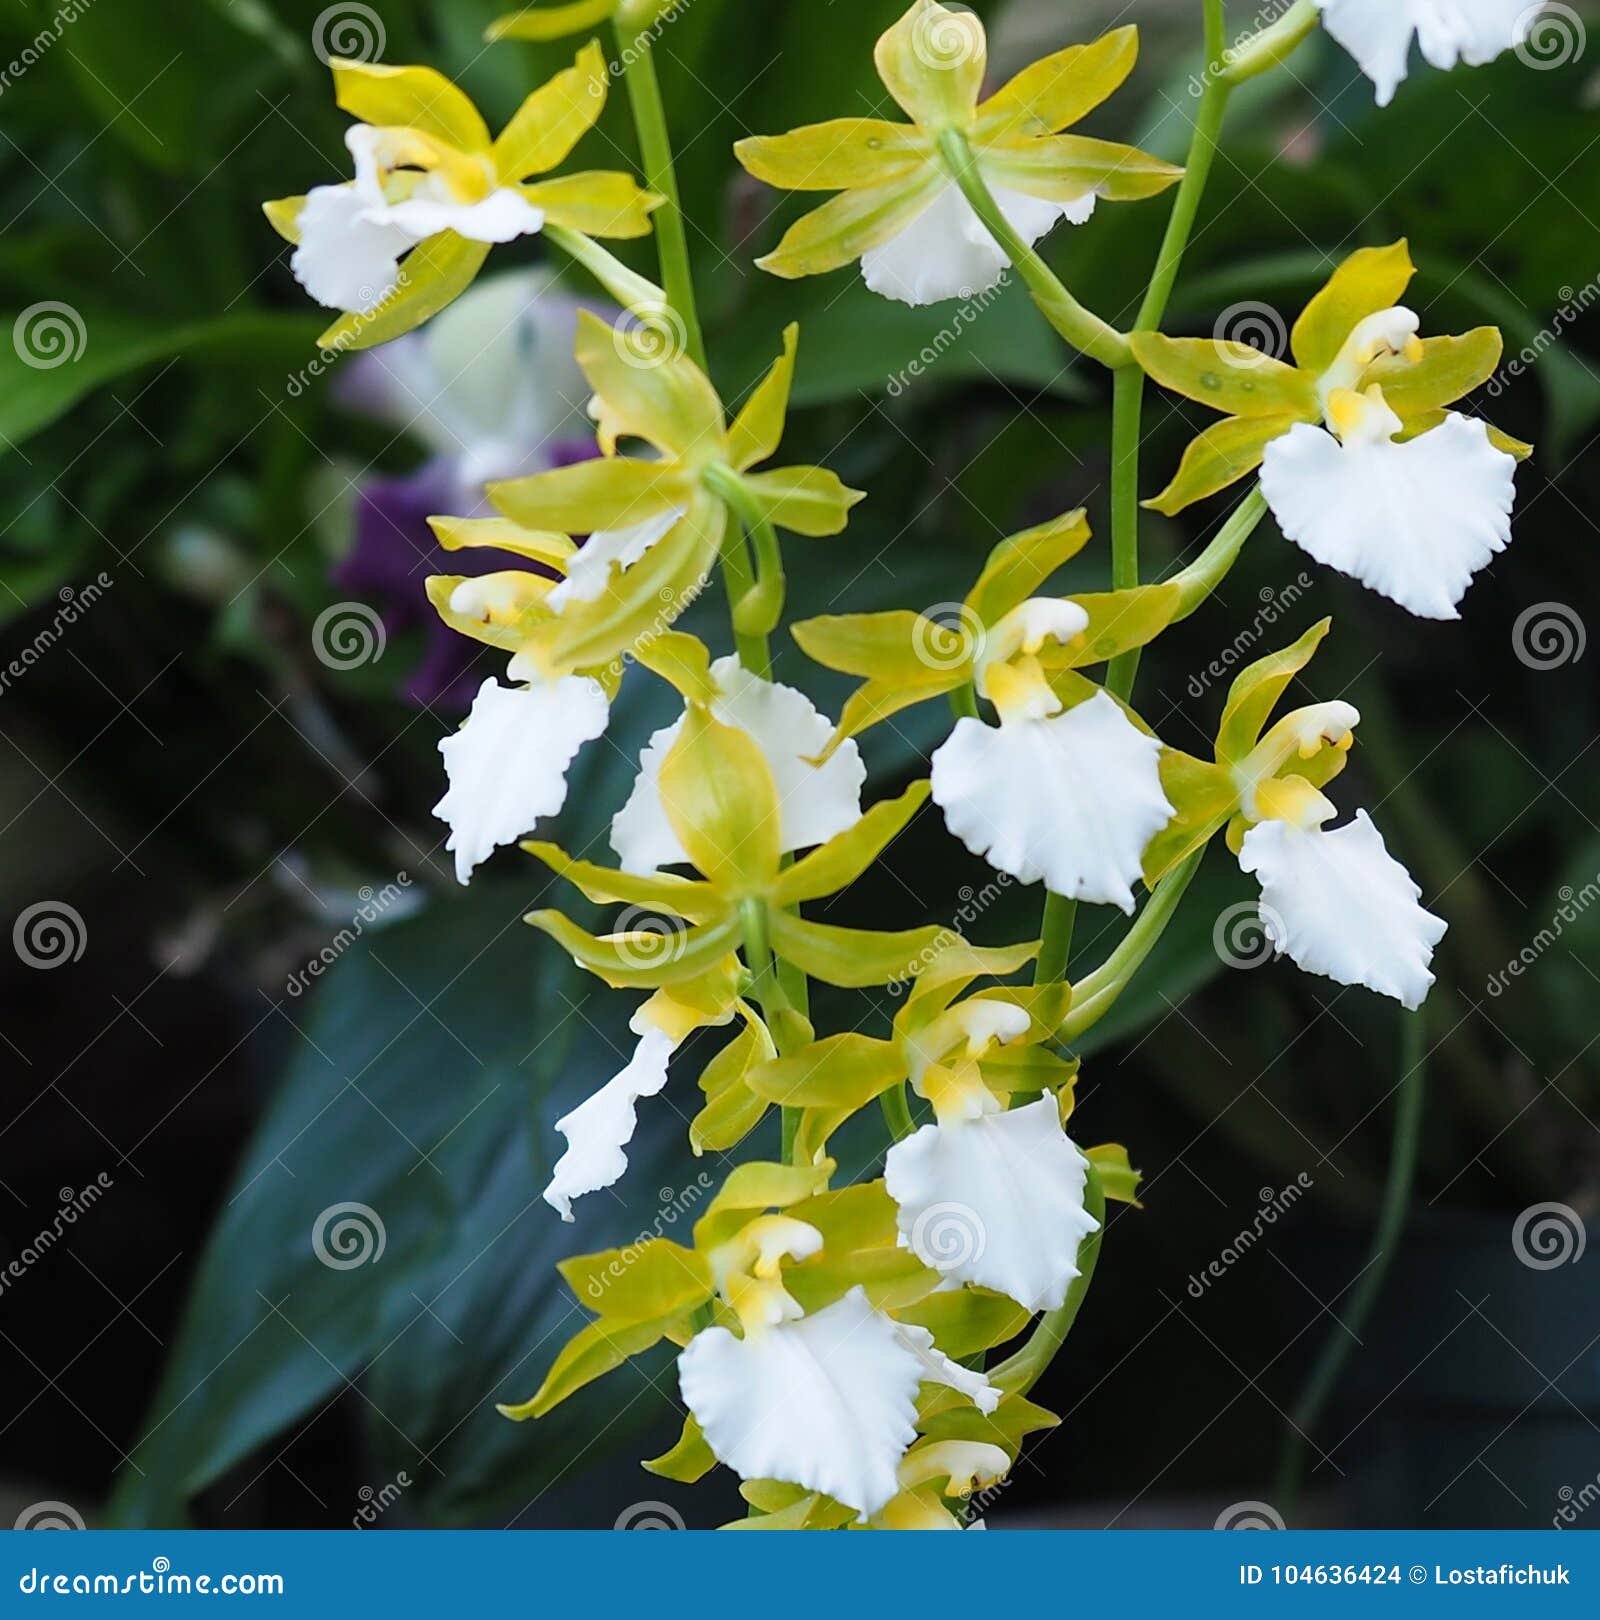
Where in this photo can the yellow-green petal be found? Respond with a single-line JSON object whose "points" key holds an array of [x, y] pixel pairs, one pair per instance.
{"points": [[842, 1072], [432, 275], [1058, 90], [500, 534], [641, 1283], [732, 1108], [640, 959], [691, 1459], [1256, 691], [853, 958], [544, 129], [610, 492], [1118, 622], [598, 202], [836, 864], [1450, 367], [932, 62], [838, 155], [757, 430], [807, 500], [718, 795], [1018, 567], [409, 98], [664, 398], [550, 22], [1229, 377], [851, 224], [662, 891], [1063, 168], [1220, 456], [1369, 280], [595, 1350]]}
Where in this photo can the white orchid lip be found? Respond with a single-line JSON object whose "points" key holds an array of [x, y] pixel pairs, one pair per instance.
{"points": [[353, 236], [1338, 904], [814, 801], [1414, 520], [1071, 800], [507, 764], [1378, 33], [946, 251], [825, 1401], [1300, 735], [599, 1129], [995, 1200]]}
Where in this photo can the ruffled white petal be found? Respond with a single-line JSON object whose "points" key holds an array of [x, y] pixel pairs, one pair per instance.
{"points": [[938, 1368], [827, 1402], [589, 572], [508, 763], [1072, 800], [946, 252], [814, 801], [348, 256], [996, 1200], [502, 216], [1413, 521], [1378, 33], [1340, 905], [601, 1126]]}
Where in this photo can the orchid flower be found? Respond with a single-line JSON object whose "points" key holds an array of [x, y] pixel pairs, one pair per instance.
{"points": [[900, 210], [1378, 33], [1361, 463], [432, 192], [1066, 788], [1334, 900], [985, 1194], [654, 529], [491, 390]]}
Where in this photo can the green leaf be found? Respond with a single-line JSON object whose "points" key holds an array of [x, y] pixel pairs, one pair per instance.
{"points": [[75, 350]]}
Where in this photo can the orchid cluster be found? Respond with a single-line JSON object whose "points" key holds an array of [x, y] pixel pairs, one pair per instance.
{"points": [[835, 1328]]}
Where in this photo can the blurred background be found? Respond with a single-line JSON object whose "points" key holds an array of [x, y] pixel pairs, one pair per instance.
{"points": [[279, 1095]]}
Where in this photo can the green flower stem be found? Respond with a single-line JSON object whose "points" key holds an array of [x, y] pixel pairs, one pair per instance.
{"points": [[1196, 172], [1083, 329], [1403, 1151], [1127, 405], [1097, 992], [768, 989], [1271, 45], [1017, 1374], [759, 610], [1055, 939], [897, 1111], [964, 702], [655, 150], [1211, 567]]}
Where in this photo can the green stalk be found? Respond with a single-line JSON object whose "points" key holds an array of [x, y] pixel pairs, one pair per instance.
{"points": [[1196, 582], [1081, 327], [1271, 45], [1018, 1373], [1097, 992], [1330, 1363], [655, 151], [897, 1111], [1127, 405], [1055, 939]]}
